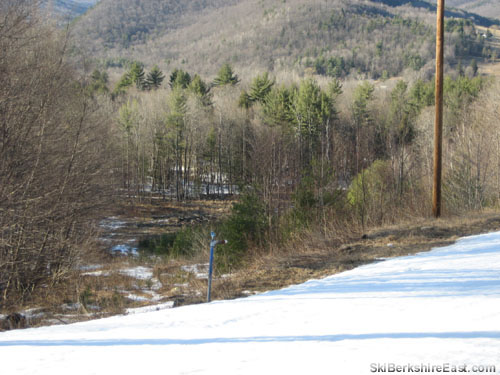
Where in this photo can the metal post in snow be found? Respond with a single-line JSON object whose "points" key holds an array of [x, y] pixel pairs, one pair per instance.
{"points": [[213, 243]]}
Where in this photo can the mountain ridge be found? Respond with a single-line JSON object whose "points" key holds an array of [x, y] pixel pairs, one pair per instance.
{"points": [[68, 9], [487, 8], [255, 35]]}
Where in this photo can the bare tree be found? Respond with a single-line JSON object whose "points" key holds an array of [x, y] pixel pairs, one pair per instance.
{"points": [[51, 156]]}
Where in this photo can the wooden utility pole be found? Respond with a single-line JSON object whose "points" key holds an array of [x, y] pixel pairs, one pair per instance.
{"points": [[438, 124]]}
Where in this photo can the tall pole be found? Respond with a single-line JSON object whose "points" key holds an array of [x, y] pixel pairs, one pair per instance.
{"points": [[438, 124]]}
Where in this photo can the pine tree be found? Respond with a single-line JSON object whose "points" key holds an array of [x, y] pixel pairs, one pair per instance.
{"points": [[136, 74], [155, 78], [179, 79], [200, 90], [99, 82], [123, 84], [226, 76], [260, 88]]}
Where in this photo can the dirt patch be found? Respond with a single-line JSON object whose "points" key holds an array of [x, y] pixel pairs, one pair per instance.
{"points": [[121, 283], [326, 258], [124, 226]]}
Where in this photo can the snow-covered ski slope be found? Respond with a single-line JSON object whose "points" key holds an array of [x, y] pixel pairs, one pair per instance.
{"points": [[440, 308]]}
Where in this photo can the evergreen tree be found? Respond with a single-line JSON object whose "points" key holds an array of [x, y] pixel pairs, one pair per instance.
{"points": [[179, 79], [244, 100], [306, 108], [402, 114], [277, 107], [123, 84], [99, 82], [226, 76], [334, 88], [200, 90], [260, 88], [155, 78], [136, 74], [363, 94], [422, 94]]}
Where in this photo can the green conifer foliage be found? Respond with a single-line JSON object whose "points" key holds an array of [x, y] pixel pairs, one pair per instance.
{"points": [[155, 78], [226, 76], [179, 79], [260, 88], [200, 89], [137, 74], [99, 82]]}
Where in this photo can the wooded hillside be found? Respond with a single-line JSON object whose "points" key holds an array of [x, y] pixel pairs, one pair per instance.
{"points": [[335, 38]]}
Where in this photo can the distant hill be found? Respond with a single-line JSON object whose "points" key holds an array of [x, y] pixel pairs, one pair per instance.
{"points": [[68, 8], [336, 38], [487, 8], [452, 9]]}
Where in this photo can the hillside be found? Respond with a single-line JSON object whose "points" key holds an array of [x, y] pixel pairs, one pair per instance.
{"points": [[365, 38], [487, 8], [68, 8]]}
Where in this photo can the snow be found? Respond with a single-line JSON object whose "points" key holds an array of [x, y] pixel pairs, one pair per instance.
{"points": [[199, 270], [125, 249], [145, 309], [140, 272], [96, 273], [112, 223], [440, 308]]}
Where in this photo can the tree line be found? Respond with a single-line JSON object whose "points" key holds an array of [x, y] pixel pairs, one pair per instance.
{"points": [[191, 138]]}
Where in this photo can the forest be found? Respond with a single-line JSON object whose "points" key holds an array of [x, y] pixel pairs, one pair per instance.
{"points": [[338, 38], [320, 154]]}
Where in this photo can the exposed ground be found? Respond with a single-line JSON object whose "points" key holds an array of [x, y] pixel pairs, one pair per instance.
{"points": [[115, 284], [323, 259]]}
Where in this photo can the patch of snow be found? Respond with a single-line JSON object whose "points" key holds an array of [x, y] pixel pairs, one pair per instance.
{"points": [[112, 223], [140, 272], [91, 267], [199, 270], [249, 292], [157, 285], [71, 306], [124, 249], [96, 273], [154, 296], [147, 309], [135, 297]]}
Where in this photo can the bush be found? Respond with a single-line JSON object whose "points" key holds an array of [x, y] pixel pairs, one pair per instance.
{"points": [[159, 245], [170, 244], [245, 226], [371, 193]]}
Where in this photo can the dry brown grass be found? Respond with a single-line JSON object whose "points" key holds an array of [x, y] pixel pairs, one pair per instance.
{"points": [[317, 256], [311, 255]]}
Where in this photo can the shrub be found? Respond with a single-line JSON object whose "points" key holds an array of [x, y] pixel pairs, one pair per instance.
{"points": [[245, 226], [159, 245], [371, 193], [175, 244]]}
